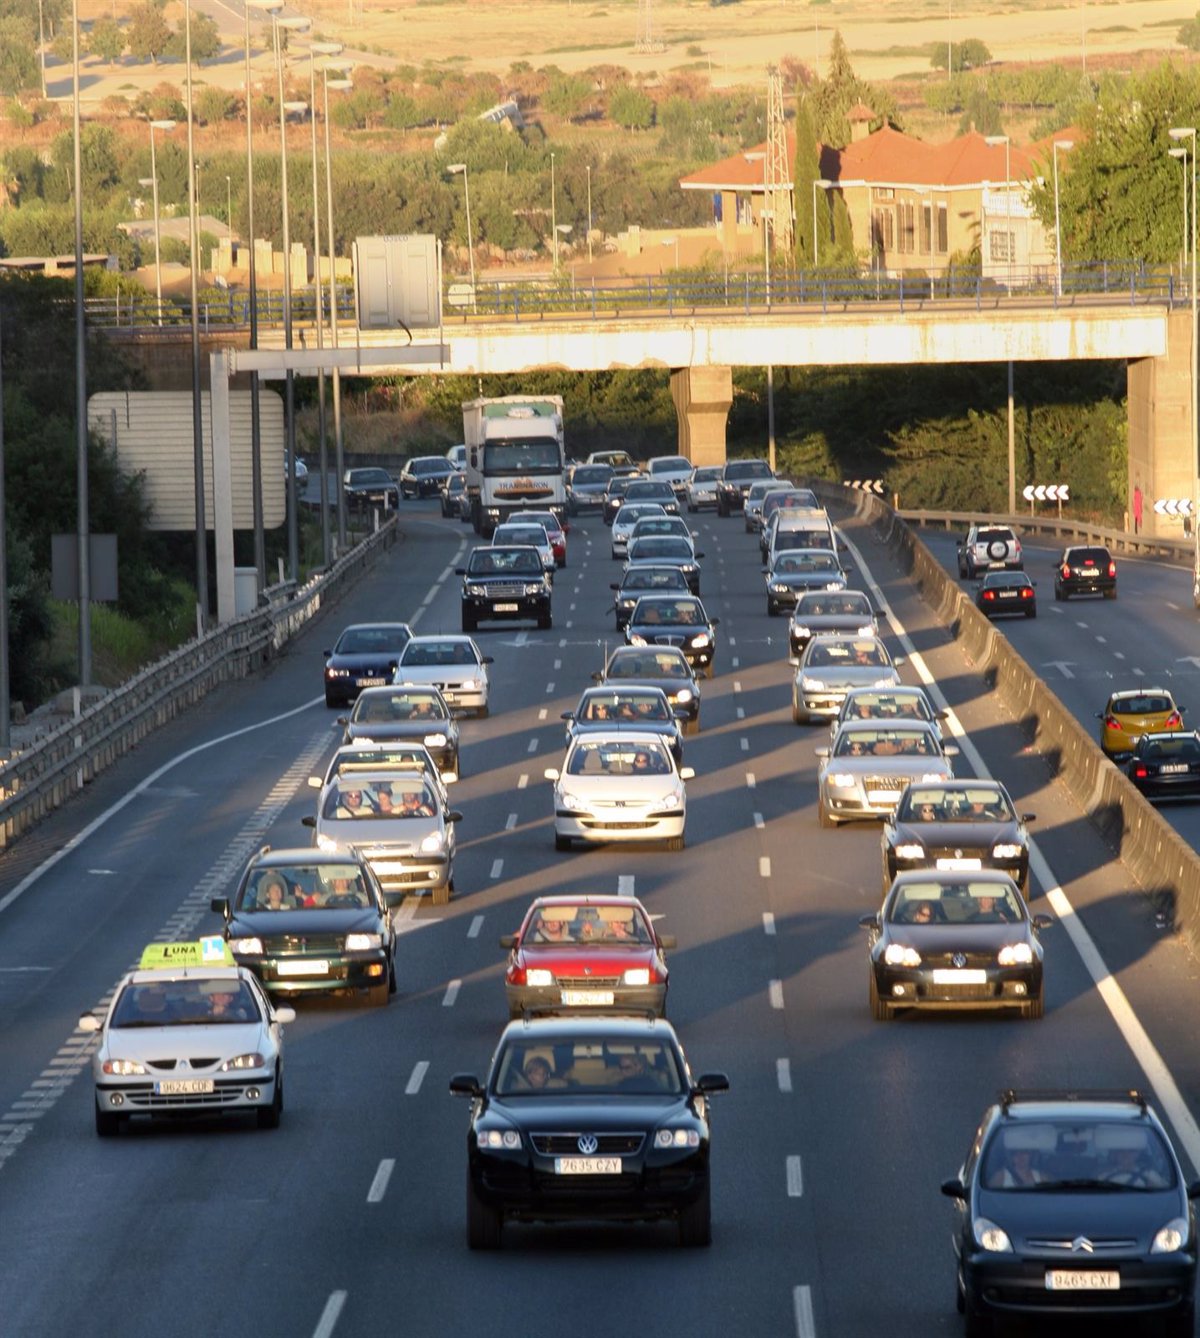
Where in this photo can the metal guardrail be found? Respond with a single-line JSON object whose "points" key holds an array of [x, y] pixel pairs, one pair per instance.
{"points": [[41, 778], [1117, 541]]}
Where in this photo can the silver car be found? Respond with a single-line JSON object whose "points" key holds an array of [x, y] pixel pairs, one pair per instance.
{"points": [[890, 706], [752, 515], [701, 488], [398, 822], [453, 664], [624, 521], [819, 612], [526, 534], [673, 469], [833, 665], [864, 771]]}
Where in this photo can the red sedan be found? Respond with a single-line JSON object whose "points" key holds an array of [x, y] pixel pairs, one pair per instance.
{"points": [[555, 531], [578, 954]]}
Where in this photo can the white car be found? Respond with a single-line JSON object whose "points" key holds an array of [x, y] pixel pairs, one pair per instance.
{"points": [[188, 1033], [624, 521], [453, 664], [868, 764], [457, 455], [525, 534], [408, 756], [701, 488], [676, 525], [752, 514], [673, 469], [619, 786]]}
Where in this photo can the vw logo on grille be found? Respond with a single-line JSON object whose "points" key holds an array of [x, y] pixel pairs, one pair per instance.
{"points": [[1081, 1245], [959, 959], [588, 1143]]}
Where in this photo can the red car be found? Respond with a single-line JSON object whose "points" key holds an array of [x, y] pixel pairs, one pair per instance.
{"points": [[578, 954], [555, 531]]}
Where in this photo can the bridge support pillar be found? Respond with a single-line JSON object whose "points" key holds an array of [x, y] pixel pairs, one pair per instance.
{"points": [[1162, 436], [703, 397]]}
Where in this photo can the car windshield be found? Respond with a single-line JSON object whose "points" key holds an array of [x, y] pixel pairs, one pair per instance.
{"points": [[1089, 557], [398, 707], [669, 464], [325, 886], [991, 536], [402, 757], [422, 654], [660, 546], [847, 605], [886, 706], [360, 477], [1005, 579], [1142, 704], [785, 539], [940, 803], [546, 519], [610, 925], [590, 1066], [522, 457], [522, 534], [846, 655], [648, 664], [955, 903], [655, 578], [659, 525], [591, 474], [800, 563], [1077, 1153], [217, 1001], [358, 797], [885, 742], [429, 464], [649, 489], [707, 474], [740, 470], [366, 640], [1179, 748], [617, 758], [632, 512], [504, 562], [670, 612], [627, 707]]}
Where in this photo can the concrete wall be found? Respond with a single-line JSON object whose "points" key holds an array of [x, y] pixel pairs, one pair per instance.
{"points": [[1162, 438]]}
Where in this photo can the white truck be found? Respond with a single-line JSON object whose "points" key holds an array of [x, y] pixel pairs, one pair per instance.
{"points": [[514, 457]]}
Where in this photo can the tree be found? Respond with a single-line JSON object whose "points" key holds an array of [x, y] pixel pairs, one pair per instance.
{"points": [[18, 57], [106, 41], [968, 55], [980, 112], [149, 33], [206, 40], [213, 105], [1189, 34], [839, 92], [631, 108], [566, 96], [806, 170]]}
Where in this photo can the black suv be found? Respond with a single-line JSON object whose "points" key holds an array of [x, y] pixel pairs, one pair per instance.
{"points": [[1086, 570], [736, 478], [506, 582]]}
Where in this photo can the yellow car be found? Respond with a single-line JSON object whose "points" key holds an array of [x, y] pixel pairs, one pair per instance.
{"points": [[1131, 714]]}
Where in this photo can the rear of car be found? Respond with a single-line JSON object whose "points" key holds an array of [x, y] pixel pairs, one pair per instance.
{"points": [[1167, 766], [1128, 715], [736, 480], [701, 490], [1004, 592], [1085, 571], [989, 548]]}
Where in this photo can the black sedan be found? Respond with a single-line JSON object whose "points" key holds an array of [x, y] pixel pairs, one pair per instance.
{"points": [[958, 826], [1166, 765], [382, 715], [364, 656], [794, 571], [671, 620], [370, 487], [1073, 1204], [1085, 570], [656, 549], [955, 940], [641, 708], [663, 667], [588, 1118], [309, 922], [1003, 592], [821, 611], [653, 490], [505, 583], [424, 475], [736, 478], [614, 496], [650, 580], [456, 501], [585, 488]]}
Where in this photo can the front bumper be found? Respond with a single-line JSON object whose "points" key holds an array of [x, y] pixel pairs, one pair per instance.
{"points": [[506, 608], [605, 825], [811, 704], [549, 999], [136, 1096], [858, 802], [342, 971], [1003, 987], [1006, 1284], [1017, 869], [408, 872], [387, 500], [699, 500]]}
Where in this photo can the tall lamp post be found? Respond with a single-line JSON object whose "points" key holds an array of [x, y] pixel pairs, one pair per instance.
{"points": [[1008, 242], [823, 185], [82, 521], [165, 127], [1066, 145], [1182, 155], [553, 213], [589, 184], [1189, 133], [194, 268], [328, 68], [454, 169]]}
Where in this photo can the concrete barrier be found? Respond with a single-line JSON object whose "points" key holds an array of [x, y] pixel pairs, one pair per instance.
{"points": [[1162, 864]]}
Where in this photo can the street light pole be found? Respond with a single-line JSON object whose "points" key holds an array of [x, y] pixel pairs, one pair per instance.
{"points": [[81, 429], [589, 181], [1178, 133], [229, 207], [164, 126], [1065, 145], [553, 213], [338, 453], [197, 407], [454, 169], [1182, 155]]}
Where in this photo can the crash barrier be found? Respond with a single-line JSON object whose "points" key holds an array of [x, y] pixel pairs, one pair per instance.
{"points": [[42, 777], [1163, 865], [1069, 531]]}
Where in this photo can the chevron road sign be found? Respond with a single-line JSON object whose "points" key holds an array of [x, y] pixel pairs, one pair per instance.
{"points": [[1047, 492], [865, 485], [1174, 506]]}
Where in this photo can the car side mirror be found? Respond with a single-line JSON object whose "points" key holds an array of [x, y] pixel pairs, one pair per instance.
{"points": [[89, 1022], [954, 1189], [709, 1084], [308, 821], [460, 571], [488, 659], [951, 750], [1033, 583], [666, 941], [598, 676], [220, 905], [766, 570], [567, 715], [1193, 1190], [687, 773], [697, 556], [465, 1084], [716, 622], [314, 782], [614, 585], [327, 653], [284, 1014], [343, 720], [822, 752], [1043, 921], [454, 816], [869, 921], [551, 773], [1028, 817], [899, 660], [1098, 714], [508, 941]]}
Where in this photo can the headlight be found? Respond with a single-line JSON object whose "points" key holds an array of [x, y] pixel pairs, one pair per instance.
{"points": [[1015, 954], [247, 946], [326, 843], [910, 850], [1007, 850], [332, 671], [477, 591], [684, 695], [434, 842], [835, 585], [122, 1068], [841, 780], [253, 1061], [363, 942], [896, 954], [636, 639], [811, 684], [798, 630], [1172, 1237], [539, 976], [990, 1237], [571, 801], [434, 740], [535, 589], [702, 640], [473, 685], [637, 975], [778, 588], [677, 1138], [496, 1138]]}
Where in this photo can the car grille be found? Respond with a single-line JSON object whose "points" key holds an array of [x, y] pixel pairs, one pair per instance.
{"points": [[896, 783], [973, 959], [288, 945], [1100, 1244], [607, 1145], [667, 639], [593, 825], [960, 852], [168, 1065], [504, 591], [588, 982]]}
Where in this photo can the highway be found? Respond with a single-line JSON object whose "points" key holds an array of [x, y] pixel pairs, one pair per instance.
{"points": [[831, 1145]]}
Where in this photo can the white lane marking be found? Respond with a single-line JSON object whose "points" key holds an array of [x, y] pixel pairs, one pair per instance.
{"points": [[4, 969], [783, 1074], [405, 912], [759, 822], [380, 1183], [731, 640], [1118, 655], [1175, 606], [750, 782], [329, 1316], [570, 624], [775, 993], [558, 664], [1061, 666], [737, 685], [1103, 640], [571, 608], [795, 1178], [521, 638], [522, 781], [562, 641], [806, 1326], [625, 884], [103, 872], [1141, 673], [735, 663], [549, 688], [451, 995], [533, 746], [476, 926], [741, 713], [542, 713], [497, 867], [764, 866], [510, 822], [769, 923], [420, 1069], [745, 744], [1170, 1099], [1079, 624]]}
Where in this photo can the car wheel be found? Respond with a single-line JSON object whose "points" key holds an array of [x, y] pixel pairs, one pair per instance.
{"points": [[561, 842], [691, 508], [485, 1224], [332, 702], [484, 711], [710, 669], [695, 1222], [976, 1325], [1035, 1008], [1059, 593], [1182, 1325], [772, 609], [269, 1116], [674, 842], [108, 1124], [824, 817], [393, 984], [960, 1301], [722, 509], [441, 895], [880, 1011]]}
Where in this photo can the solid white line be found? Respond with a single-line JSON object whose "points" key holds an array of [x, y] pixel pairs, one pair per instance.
{"points": [[380, 1183], [476, 926], [510, 822], [420, 1069], [497, 867], [775, 993], [806, 1326], [750, 780], [625, 884], [764, 866], [522, 781], [451, 993], [1170, 1099], [329, 1316], [783, 1074], [769, 923], [758, 821], [795, 1178]]}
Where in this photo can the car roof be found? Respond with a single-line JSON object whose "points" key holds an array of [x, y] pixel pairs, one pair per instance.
{"points": [[1125, 1105], [891, 726], [909, 876], [836, 639], [607, 1023], [160, 974], [1138, 692], [616, 734], [615, 689], [297, 856], [588, 899]]}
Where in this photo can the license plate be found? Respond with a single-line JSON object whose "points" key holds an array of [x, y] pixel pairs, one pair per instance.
{"points": [[504, 608], [950, 975], [959, 865], [1173, 768], [315, 967], [1008, 594], [883, 796], [184, 1087], [584, 998], [587, 1165], [372, 682], [388, 866], [1082, 1280]]}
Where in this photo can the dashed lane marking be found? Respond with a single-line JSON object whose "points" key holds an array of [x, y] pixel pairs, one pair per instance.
{"points": [[522, 780], [769, 923], [759, 822], [625, 882], [806, 1326], [380, 1183], [750, 781], [476, 926], [329, 1316], [420, 1069], [775, 993], [783, 1074], [510, 822], [451, 995], [764, 866], [795, 1178], [497, 867]]}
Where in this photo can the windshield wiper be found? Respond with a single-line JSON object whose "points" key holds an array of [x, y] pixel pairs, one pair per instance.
{"points": [[1081, 1182]]}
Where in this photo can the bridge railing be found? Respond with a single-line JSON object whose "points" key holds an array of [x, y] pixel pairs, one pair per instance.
{"points": [[1074, 531]]}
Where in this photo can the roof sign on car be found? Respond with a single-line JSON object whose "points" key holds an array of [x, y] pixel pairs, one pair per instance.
{"points": [[209, 951]]}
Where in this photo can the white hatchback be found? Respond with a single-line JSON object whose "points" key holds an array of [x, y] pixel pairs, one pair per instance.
{"points": [[453, 664]]}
